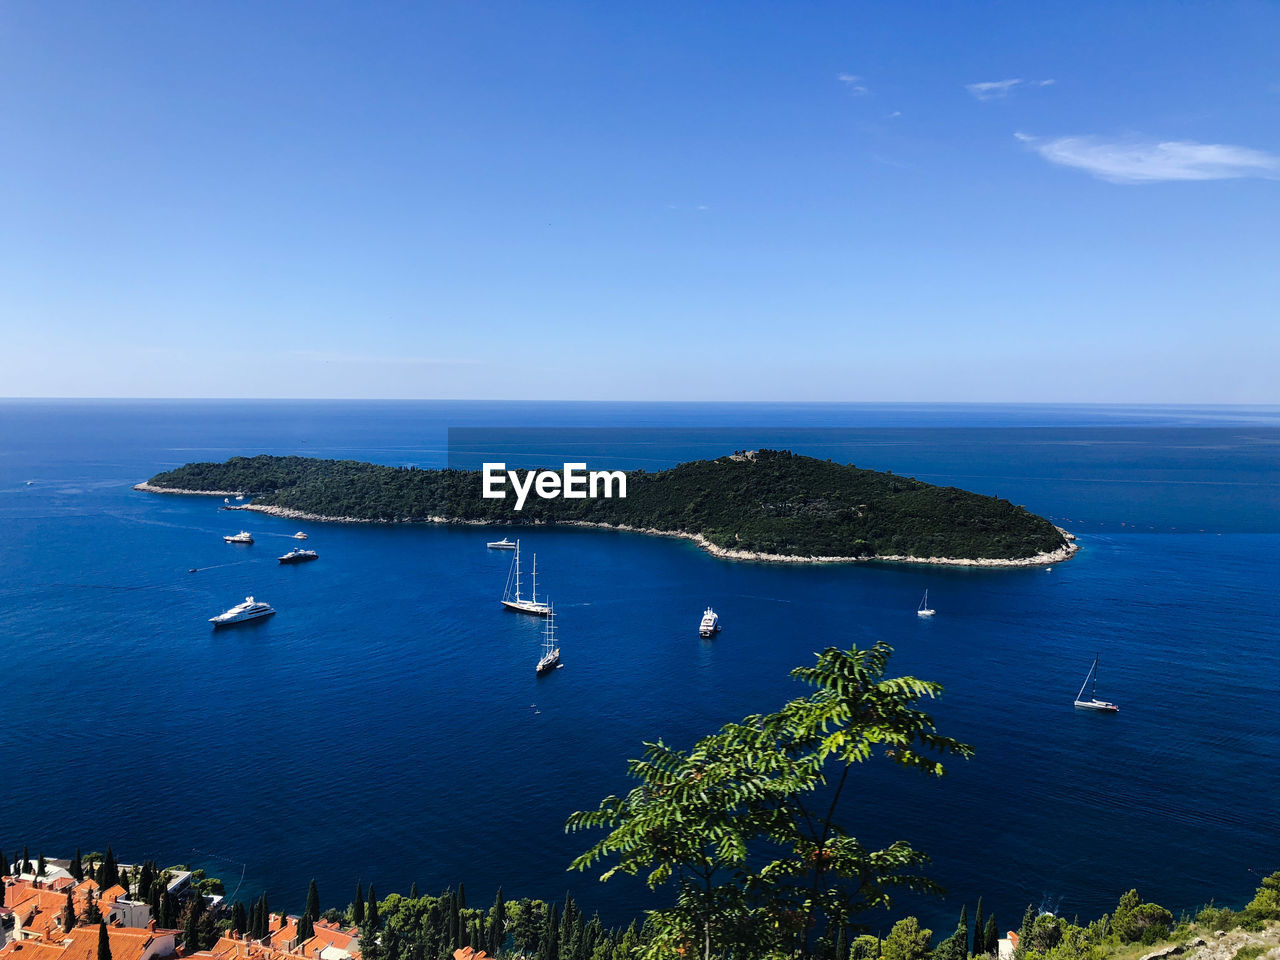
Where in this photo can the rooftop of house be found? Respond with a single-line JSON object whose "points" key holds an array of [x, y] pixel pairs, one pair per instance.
{"points": [[127, 943]]}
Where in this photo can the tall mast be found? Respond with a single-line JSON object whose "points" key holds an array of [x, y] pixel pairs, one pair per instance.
{"points": [[517, 571], [1095, 677], [535, 579]]}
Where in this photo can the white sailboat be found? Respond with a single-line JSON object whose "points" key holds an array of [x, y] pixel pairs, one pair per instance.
{"points": [[924, 609], [511, 598], [550, 645], [1093, 703]]}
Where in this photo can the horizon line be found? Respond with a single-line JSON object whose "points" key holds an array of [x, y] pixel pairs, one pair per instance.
{"points": [[957, 403]]}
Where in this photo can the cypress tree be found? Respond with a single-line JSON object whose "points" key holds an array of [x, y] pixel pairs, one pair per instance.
{"points": [[26, 859], [40, 866], [357, 908], [68, 913], [191, 929], [1028, 921], [109, 875], [93, 914], [371, 913], [462, 896], [306, 928], [168, 911], [993, 935], [413, 890], [104, 941], [4, 865], [77, 868], [239, 922], [842, 944], [313, 902], [963, 926], [452, 933], [979, 932], [549, 943], [497, 924]]}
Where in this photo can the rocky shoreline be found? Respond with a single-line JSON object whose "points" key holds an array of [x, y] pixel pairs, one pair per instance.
{"points": [[1065, 552], [149, 488]]}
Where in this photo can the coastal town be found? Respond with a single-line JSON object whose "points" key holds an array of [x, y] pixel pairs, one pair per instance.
{"points": [[62, 910]]}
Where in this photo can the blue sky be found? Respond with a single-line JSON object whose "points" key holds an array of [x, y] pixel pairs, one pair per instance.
{"points": [[757, 201]]}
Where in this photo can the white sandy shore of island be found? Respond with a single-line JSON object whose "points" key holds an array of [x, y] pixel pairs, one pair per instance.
{"points": [[1065, 552]]}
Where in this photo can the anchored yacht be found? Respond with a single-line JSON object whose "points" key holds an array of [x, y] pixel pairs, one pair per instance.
{"points": [[298, 555], [550, 646], [244, 536], [511, 598], [710, 624], [249, 610]]}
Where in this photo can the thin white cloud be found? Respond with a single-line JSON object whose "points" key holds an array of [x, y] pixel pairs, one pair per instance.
{"points": [[322, 356], [853, 83], [991, 89], [999, 89], [1137, 161]]}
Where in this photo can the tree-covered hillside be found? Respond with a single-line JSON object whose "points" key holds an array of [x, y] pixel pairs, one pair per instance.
{"points": [[768, 501]]}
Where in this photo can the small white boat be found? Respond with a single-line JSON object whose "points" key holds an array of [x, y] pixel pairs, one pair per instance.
{"points": [[299, 535], [503, 544], [242, 612], [240, 497], [550, 646], [511, 598], [924, 610], [710, 624], [1093, 703], [244, 536], [298, 555]]}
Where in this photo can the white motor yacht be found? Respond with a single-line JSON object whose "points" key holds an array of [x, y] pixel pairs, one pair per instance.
{"points": [[251, 609]]}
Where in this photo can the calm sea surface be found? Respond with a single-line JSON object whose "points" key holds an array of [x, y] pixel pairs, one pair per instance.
{"points": [[387, 726]]}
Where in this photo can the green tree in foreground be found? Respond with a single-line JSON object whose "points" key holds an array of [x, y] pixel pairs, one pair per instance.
{"points": [[1266, 903], [357, 907], [104, 941], [993, 935], [313, 902], [68, 913], [1136, 921], [744, 825], [906, 941]]}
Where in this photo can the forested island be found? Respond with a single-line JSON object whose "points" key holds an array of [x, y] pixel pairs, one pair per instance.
{"points": [[764, 504]]}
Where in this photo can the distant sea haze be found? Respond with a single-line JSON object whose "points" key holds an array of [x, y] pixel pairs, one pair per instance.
{"points": [[387, 726]]}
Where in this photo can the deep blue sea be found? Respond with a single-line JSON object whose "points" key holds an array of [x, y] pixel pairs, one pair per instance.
{"points": [[386, 726]]}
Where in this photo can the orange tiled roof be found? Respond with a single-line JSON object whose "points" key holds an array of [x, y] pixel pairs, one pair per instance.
{"points": [[112, 894], [329, 937], [31, 950], [39, 910], [233, 948], [467, 953], [127, 943]]}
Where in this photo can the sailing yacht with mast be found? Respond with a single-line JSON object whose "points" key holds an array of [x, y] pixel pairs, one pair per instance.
{"points": [[550, 645], [1093, 703], [924, 609], [511, 598]]}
